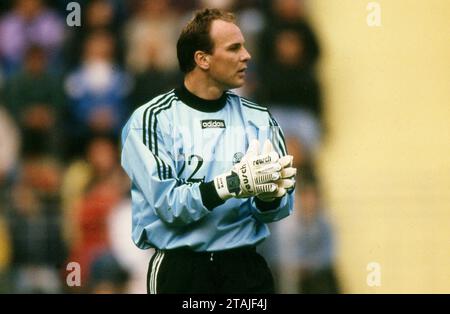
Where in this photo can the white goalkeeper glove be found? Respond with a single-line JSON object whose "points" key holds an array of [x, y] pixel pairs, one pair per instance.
{"points": [[253, 175], [286, 180]]}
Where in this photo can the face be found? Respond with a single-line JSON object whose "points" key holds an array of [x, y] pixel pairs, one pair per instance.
{"points": [[228, 61], [102, 156]]}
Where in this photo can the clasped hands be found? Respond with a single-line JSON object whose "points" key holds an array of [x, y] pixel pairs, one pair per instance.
{"points": [[265, 175]]}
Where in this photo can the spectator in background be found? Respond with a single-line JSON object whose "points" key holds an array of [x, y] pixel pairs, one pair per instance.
{"points": [[29, 23], [4, 6], [38, 250], [302, 249], [108, 276], [35, 98], [2, 82], [91, 222], [288, 84], [9, 143], [151, 55], [97, 91], [151, 34], [128, 256], [288, 14], [290, 89], [281, 248], [98, 190], [97, 15], [290, 81], [225, 5], [315, 240], [150, 83], [99, 162]]}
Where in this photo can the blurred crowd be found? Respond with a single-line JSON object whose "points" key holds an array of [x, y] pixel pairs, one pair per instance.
{"points": [[65, 93]]}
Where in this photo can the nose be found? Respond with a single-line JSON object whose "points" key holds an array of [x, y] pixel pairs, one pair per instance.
{"points": [[246, 55]]}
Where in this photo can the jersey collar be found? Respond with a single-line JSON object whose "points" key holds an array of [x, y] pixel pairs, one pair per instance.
{"points": [[198, 103]]}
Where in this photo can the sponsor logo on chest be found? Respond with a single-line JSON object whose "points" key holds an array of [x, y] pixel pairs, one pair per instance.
{"points": [[213, 124]]}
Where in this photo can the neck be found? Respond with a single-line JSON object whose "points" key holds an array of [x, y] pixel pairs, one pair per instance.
{"points": [[202, 86]]}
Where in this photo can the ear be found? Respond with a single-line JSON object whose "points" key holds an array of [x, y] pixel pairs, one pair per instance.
{"points": [[201, 58]]}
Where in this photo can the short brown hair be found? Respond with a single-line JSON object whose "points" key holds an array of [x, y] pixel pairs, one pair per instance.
{"points": [[195, 36]]}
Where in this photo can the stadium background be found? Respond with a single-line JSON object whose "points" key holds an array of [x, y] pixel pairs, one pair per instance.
{"points": [[381, 158]]}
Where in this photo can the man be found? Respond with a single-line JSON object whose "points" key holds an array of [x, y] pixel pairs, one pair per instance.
{"points": [[197, 199]]}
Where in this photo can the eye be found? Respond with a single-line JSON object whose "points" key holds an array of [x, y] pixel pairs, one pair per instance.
{"points": [[235, 47]]}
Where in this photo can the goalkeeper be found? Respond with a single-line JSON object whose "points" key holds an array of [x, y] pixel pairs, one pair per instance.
{"points": [[209, 169]]}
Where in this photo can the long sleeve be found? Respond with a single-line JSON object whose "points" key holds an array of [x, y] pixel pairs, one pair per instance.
{"points": [[148, 163]]}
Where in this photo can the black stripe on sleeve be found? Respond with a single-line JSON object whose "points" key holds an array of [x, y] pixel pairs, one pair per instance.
{"points": [[147, 130], [156, 102], [275, 136], [155, 122], [144, 139], [151, 117], [252, 104], [167, 170], [278, 134], [158, 165], [144, 125], [247, 104]]}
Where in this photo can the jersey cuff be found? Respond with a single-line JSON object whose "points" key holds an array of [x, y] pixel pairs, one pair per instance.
{"points": [[210, 198], [266, 206]]}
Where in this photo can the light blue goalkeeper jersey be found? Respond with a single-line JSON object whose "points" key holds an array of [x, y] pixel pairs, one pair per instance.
{"points": [[172, 148]]}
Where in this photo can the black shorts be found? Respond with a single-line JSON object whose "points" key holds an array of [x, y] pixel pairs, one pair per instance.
{"points": [[240, 270]]}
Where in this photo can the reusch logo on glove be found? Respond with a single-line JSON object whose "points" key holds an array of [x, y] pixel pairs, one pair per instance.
{"points": [[213, 124], [245, 178], [260, 161]]}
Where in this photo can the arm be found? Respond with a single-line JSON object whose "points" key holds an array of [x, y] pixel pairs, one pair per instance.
{"points": [[152, 172]]}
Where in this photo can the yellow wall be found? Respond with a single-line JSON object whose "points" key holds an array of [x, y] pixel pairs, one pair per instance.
{"points": [[386, 163], [5, 249]]}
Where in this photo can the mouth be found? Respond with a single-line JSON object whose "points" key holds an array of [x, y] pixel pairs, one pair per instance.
{"points": [[242, 71]]}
